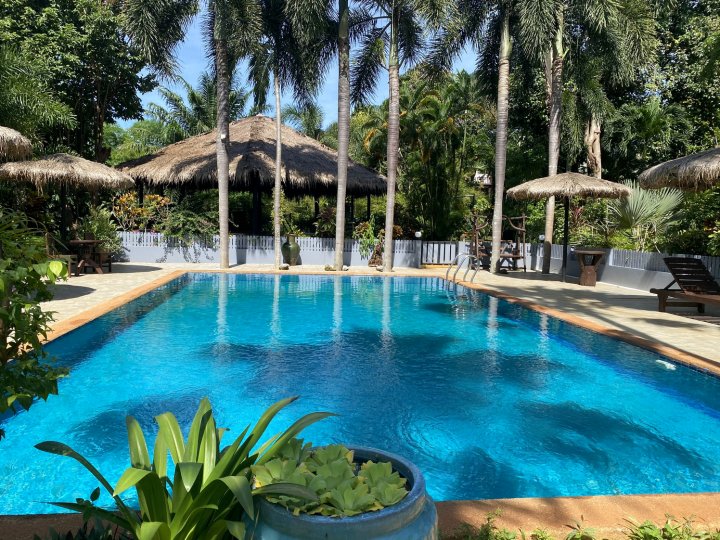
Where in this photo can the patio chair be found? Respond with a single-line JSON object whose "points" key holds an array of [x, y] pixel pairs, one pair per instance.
{"points": [[697, 286], [54, 255]]}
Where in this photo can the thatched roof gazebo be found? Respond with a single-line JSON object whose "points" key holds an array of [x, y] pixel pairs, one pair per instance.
{"points": [[66, 170], [568, 185], [14, 145], [696, 171], [309, 166]]}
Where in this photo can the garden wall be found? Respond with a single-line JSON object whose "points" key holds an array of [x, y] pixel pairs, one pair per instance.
{"points": [[244, 249]]}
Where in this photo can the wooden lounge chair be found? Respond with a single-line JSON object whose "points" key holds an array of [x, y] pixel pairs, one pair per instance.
{"points": [[697, 286]]}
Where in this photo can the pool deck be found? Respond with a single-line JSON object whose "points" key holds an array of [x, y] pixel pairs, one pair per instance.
{"points": [[626, 314]]}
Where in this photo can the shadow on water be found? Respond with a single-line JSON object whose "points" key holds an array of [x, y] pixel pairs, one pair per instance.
{"points": [[105, 432], [552, 423], [477, 472]]}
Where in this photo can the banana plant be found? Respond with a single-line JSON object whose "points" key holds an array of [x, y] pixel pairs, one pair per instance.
{"points": [[210, 490]]}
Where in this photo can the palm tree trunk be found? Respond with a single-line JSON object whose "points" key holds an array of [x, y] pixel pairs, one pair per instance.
{"points": [[393, 139], [343, 128], [592, 146], [223, 130], [553, 135], [278, 171], [503, 97]]}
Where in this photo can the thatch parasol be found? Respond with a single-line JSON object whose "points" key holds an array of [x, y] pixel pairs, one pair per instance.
{"points": [[696, 171], [65, 169], [568, 185], [13, 145], [309, 166]]}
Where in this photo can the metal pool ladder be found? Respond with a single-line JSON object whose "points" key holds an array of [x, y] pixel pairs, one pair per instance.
{"points": [[459, 261]]}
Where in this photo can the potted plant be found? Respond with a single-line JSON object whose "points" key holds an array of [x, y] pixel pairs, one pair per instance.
{"points": [[208, 493], [290, 249], [361, 494]]}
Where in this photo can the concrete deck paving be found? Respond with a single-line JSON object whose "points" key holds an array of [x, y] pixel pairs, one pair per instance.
{"points": [[628, 314]]}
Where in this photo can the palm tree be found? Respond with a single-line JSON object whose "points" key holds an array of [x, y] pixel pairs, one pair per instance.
{"points": [[232, 27], [392, 32], [546, 27], [290, 62], [480, 23], [197, 113], [26, 102], [307, 119]]}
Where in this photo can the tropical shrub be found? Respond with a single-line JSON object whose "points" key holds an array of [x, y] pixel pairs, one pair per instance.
{"points": [[342, 487], [25, 275], [94, 530], [646, 214], [325, 223], [130, 215], [364, 233], [210, 491], [99, 225]]}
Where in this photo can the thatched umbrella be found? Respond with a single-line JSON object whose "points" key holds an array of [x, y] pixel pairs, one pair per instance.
{"points": [[66, 170], [310, 167], [13, 145], [568, 185], [696, 171]]}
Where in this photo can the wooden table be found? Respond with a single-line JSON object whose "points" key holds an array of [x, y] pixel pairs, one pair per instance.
{"points": [[589, 260], [86, 252]]}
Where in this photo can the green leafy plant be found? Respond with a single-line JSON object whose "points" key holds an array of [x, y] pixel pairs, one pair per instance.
{"points": [[672, 529], [364, 233], [99, 225], [325, 223], [289, 227], [90, 530], [578, 531], [487, 531], [342, 487], [210, 490], [25, 275]]}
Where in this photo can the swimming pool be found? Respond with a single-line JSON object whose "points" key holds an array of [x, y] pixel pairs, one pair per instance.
{"points": [[489, 399]]}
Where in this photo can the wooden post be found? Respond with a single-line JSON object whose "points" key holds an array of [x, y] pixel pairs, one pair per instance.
{"points": [[352, 209], [140, 188], [317, 206], [367, 218], [256, 211]]}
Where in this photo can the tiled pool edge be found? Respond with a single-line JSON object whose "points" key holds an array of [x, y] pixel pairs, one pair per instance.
{"points": [[61, 328], [553, 514], [607, 515]]}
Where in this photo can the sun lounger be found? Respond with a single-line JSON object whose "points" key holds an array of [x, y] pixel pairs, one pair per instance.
{"points": [[697, 286]]}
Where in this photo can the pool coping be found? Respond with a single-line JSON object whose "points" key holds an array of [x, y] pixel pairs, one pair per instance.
{"points": [[607, 514]]}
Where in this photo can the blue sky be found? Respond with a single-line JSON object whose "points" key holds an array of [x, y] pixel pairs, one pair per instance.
{"points": [[192, 62]]}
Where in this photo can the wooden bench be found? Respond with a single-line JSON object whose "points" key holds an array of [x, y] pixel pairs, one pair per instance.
{"points": [[697, 285]]}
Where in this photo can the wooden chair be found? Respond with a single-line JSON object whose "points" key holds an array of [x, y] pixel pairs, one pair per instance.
{"points": [[54, 255], [697, 286], [102, 258]]}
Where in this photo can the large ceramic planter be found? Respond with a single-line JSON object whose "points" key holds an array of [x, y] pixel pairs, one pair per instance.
{"points": [[413, 518], [290, 250]]}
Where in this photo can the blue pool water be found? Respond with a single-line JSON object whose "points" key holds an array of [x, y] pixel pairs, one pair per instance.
{"points": [[487, 398]]}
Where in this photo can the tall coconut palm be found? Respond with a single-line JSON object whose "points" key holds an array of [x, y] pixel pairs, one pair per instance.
{"points": [[232, 27], [394, 35], [546, 29], [485, 26], [281, 54], [316, 19]]}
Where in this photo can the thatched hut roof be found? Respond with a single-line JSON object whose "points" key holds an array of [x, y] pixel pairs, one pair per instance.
{"points": [[309, 166], [696, 171], [64, 168], [568, 185], [14, 145]]}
